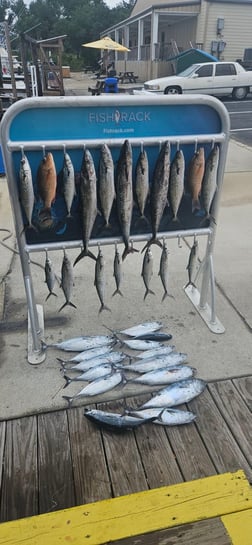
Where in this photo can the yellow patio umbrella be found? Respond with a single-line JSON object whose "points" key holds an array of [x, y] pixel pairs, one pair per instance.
{"points": [[106, 44]]}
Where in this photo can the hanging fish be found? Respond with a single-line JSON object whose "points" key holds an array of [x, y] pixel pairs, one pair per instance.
{"points": [[195, 177], [67, 281], [117, 273], [147, 271], [100, 281], [159, 192], [106, 186], [47, 184], [50, 276], [124, 195], [26, 189], [163, 270], [192, 264], [142, 181], [176, 183], [209, 183], [68, 183], [88, 200]]}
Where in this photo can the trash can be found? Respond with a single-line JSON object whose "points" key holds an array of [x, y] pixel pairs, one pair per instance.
{"points": [[111, 85]]}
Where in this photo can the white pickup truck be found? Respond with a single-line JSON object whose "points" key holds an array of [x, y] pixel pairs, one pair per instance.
{"points": [[212, 78]]}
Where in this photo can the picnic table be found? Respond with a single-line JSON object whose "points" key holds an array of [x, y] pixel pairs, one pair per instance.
{"points": [[127, 76]]}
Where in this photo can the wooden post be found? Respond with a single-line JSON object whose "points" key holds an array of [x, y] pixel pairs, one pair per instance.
{"points": [[8, 46]]}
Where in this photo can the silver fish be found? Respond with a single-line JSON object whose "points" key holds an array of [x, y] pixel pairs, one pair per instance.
{"points": [[67, 281], [165, 417], [77, 344], [113, 358], [195, 176], [155, 352], [176, 394], [164, 271], [114, 421], [137, 344], [159, 191], [146, 366], [50, 276], [192, 264], [100, 281], [140, 329], [98, 386], [147, 271], [124, 195], [68, 183], [98, 371], [106, 182], [165, 375], [209, 182], [176, 183], [88, 354], [88, 199], [142, 181], [26, 189], [117, 273]]}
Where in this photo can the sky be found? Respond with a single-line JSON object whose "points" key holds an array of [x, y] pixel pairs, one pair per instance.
{"points": [[112, 3]]}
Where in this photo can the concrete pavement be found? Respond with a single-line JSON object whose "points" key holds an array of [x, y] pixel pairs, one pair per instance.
{"points": [[27, 389]]}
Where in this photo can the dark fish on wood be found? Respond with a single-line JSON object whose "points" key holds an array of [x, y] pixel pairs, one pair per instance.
{"points": [[115, 421], [88, 201]]}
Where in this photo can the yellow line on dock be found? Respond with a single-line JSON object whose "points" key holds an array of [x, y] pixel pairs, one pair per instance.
{"points": [[109, 520], [239, 527]]}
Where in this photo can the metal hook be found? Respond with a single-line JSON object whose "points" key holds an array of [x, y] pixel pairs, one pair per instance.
{"points": [[142, 146], [177, 145], [22, 152], [196, 146], [43, 150], [179, 241], [64, 148], [213, 143]]}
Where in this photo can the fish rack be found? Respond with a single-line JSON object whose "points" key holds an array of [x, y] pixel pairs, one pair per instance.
{"points": [[56, 124]]}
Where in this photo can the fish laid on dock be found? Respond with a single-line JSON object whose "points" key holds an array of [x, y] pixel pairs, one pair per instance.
{"points": [[166, 375], [140, 329], [176, 394], [114, 421], [98, 386], [77, 344], [165, 417]]}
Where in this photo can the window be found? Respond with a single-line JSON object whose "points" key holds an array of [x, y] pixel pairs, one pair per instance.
{"points": [[225, 69], [205, 71]]}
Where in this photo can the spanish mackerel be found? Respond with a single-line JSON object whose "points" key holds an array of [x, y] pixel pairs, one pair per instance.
{"points": [[100, 281], [88, 354], [165, 417], [147, 271], [88, 200], [176, 394], [26, 191], [50, 276], [77, 344], [145, 327], [138, 344], [159, 191], [67, 281], [114, 357], [164, 375], [155, 352], [106, 186], [117, 272], [145, 366], [164, 271], [209, 182], [91, 374], [68, 183], [176, 183], [114, 421], [124, 195], [98, 386], [142, 181]]}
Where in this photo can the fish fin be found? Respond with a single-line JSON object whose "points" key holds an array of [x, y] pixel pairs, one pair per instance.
{"points": [[166, 294], [117, 291], [153, 240], [68, 381], [69, 400], [84, 252], [148, 291], [195, 205], [128, 250], [51, 293], [67, 303], [104, 307]]}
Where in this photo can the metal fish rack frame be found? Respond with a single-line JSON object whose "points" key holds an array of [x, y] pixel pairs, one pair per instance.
{"points": [[35, 126]]}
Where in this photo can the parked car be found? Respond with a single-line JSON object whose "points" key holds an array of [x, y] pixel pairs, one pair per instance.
{"points": [[211, 78]]}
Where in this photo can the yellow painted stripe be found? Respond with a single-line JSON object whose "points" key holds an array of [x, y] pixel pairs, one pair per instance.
{"points": [[135, 514], [239, 527]]}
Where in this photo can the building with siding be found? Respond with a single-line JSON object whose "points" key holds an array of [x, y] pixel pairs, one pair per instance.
{"points": [[157, 30]]}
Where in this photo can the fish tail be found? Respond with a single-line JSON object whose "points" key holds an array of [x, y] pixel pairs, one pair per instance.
{"points": [[128, 250], [84, 252], [69, 400], [61, 362], [51, 293], [166, 294], [147, 292], [68, 380], [67, 303], [104, 307], [153, 240], [117, 291], [190, 284], [195, 205]]}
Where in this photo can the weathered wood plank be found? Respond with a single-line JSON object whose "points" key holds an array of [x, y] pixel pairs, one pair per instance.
{"points": [[56, 488], [117, 518], [123, 458], [157, 456], [90, 471], [236, 414], [221, 445], [19, 480], [244, 385], [205, 532], [2, 443], [190, 451]]}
